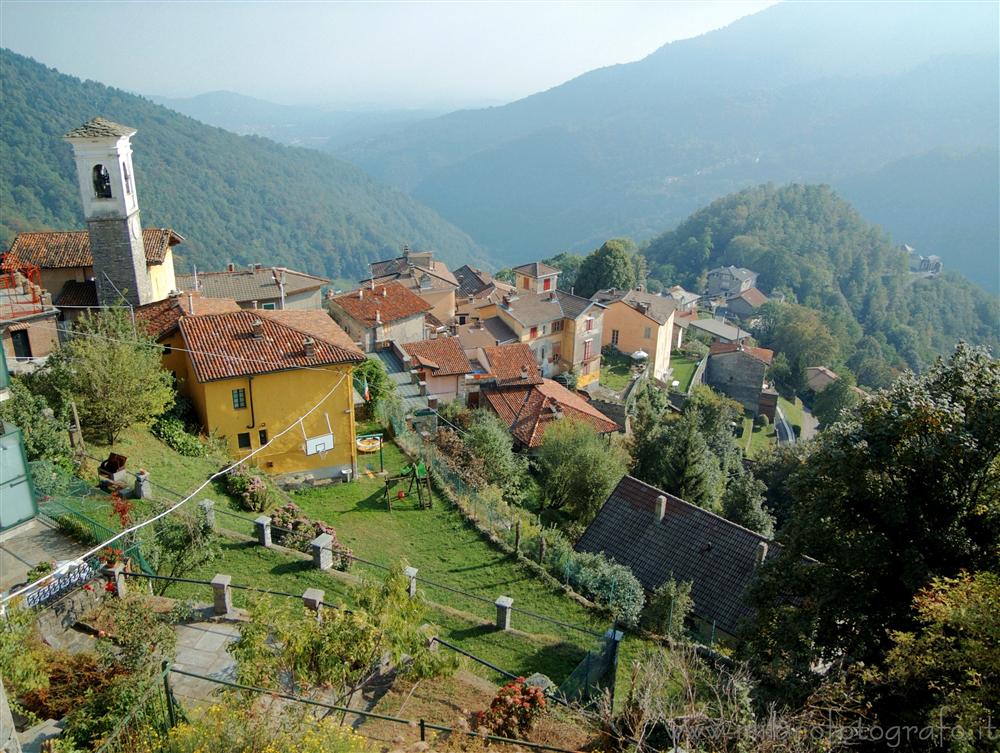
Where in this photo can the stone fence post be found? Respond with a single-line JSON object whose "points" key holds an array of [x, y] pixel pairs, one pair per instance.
{"points": [[411, 573], [504, 604], [222, 594], [313, 599], [262, 526], [118, 573], [321, 551], [208, 511]]}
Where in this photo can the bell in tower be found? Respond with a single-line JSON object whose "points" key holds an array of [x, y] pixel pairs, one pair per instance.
{"points": [[103, 155]]}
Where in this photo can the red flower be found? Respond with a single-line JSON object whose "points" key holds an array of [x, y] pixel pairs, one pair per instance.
{"points": [[87, 587], [110, 587]]}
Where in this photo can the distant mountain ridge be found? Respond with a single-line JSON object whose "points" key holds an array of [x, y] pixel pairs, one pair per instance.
{"points": [[234, 198], [807, 92]]}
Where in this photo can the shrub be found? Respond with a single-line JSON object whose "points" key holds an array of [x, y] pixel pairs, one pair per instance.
{"points": [[668, 607], [171, 431], [292, 528], [513, 710], [761, 420], [42, 568], [252, 490], [608, 583]]}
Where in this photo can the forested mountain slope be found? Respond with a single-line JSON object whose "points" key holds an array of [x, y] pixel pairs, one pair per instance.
{"points": [[806, 92], [809, 242], [234, 198]]}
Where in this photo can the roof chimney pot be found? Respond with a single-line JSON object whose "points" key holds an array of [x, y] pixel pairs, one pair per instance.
{"points": [[661, 508], [761, 554], [258, 329], [309, 346]]}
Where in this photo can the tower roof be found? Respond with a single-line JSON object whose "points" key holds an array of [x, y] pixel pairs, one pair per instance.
{"points": [[99, 128]]}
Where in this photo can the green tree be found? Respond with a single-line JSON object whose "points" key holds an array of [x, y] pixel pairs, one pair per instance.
{"points": [[611, 266], [489, 440], [690, 471], [668, 608], [905, 489], [380, 386], [113, 374], [743, 503], [181, 544], [947, 671], [577, 468], [835, 399], [45, 437]]}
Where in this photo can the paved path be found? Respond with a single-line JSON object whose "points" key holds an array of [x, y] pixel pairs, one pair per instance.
{"points": [[201, 648], [25, 546], [809, 424], [783, 429]]}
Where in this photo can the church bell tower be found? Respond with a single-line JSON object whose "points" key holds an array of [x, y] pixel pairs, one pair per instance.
{"points": [[103, 155]]}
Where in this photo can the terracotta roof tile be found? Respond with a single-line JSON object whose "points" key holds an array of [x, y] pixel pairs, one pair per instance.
{"points": [[160, 318], [688, 544], [391, 302], [312, 323], [443, 355], [761, 354], [507, 361], [225, 347], [67, 249], [529, 411], [753, 297]]}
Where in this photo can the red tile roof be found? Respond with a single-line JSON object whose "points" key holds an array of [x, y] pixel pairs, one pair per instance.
{"points": [[225, 347], [443, 355], [160, 318], [529, 411], [753, 297], [507, 361], [60, 250], [391, 302], [761, 354], [308, 321]]}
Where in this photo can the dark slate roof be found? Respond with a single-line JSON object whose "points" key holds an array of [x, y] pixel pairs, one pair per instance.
{"points": [[471, 281], [536, 269], [246, 285], [76, 293], [99, 128], [689, 544], [532, 309], [657, 307]]}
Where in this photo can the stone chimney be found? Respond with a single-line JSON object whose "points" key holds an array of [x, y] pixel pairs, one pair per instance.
{"points": [[761, 554], [230, 267], [309, 346], [258, 329], [524, 372], [378, 316], [385, 292], [661, 508], [361, 294]]}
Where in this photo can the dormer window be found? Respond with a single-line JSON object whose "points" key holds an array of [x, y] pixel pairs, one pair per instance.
{"points": [[128, 179], [102, 182]]}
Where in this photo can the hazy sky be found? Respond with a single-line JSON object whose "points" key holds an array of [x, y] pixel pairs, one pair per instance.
{"points": [[350, 53]]}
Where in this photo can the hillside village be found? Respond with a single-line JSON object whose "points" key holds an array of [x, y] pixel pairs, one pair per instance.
{"points": [[515, 487]]}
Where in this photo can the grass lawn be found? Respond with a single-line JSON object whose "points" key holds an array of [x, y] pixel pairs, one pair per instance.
{"points": [[792, 411], [616, 371], [683, 371]]}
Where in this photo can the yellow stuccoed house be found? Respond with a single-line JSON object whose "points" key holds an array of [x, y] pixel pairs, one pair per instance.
{"points": [[251, 374]]}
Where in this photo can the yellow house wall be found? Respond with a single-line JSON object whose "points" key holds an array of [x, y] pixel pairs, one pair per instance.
{"points": [[278, 400], [631, 326], [176, 361], [161, 277]]}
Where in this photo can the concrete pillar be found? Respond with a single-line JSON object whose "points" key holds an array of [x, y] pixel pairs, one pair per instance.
{"points": [[321, 551], [207, 507], [118, 573], [313, 599], [142, 489], [504, 604], [262, 526], [411, 573], [613, 635], [222, 594]]}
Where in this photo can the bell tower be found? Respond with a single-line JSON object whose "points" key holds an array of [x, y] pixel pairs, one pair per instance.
{"points": [[103, 155]]}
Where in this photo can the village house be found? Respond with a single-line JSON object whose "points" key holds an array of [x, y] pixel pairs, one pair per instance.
{"points": [[635, 320], [683, 300], [724, 282], [258, 287], [442, 366], [421, 273], [115, 259], [745, 303], [379, 314], [717, 329], [485, 332], [251, 374], [161, 319], [477, 295], [818, 378], [739, 371], [29, 323], [660, 537], [514, 388], [563, 330]]}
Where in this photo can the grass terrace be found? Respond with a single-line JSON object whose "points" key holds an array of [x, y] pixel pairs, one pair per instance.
{"points": [[683, 371], [616, 370]]}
